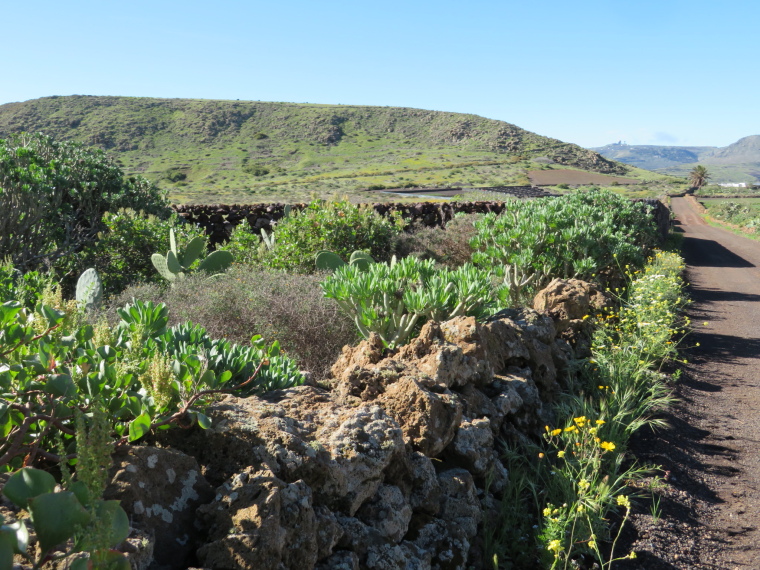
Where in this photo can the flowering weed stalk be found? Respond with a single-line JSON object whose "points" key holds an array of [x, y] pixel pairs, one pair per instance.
{"points": [[580, 476]]}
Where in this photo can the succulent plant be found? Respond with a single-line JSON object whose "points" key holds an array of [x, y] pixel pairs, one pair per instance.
{"points": [[89, 292], [329, 261], [174, 266]]}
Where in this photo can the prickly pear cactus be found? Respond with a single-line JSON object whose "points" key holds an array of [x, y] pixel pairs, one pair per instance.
{"points": [[217, 261], [89, 290], [328, 261], [175, 264], [162, 266]]}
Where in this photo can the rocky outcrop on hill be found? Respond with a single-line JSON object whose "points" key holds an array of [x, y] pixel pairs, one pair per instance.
{"points": [[385, 468]]}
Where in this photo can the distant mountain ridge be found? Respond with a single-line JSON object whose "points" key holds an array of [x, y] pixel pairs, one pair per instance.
{"points": [[737, 162], [236, 148]]}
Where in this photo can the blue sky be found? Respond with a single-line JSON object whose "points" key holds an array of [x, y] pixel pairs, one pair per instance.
{"points": [[588, 72]]}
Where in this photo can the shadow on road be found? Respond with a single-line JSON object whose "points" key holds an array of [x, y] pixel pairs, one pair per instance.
{"points": [[722, 347], [716, 295], [708, 253]]}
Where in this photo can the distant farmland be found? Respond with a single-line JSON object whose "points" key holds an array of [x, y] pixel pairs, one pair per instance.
{"points": [[574, 178]]}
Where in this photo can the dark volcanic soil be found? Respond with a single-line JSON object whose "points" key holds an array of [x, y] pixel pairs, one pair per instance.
{"points": [[710, 504]]}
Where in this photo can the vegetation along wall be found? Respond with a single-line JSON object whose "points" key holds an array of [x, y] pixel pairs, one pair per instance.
{"points": [[218, 220]]}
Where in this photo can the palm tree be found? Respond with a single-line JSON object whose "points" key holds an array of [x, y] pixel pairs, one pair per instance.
{"points": [[698, 176]]}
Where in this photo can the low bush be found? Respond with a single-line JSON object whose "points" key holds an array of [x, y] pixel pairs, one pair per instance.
{"points": [[246, 301], [122, 252], [394, 300], [583, 235], [53, 196], [26, 288], [340, 227], [247, 245], [449, 246], [145, 374]]}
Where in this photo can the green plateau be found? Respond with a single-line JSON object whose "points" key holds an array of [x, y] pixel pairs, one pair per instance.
{"points": [[209, 151]]}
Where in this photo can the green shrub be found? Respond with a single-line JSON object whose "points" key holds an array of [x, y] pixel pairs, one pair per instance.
{"points": [[27, 288], [255, 170], [340, 227], [122, 253], [579, 235], [174, 175], [145, 374], [245, 244], [53, 196]]}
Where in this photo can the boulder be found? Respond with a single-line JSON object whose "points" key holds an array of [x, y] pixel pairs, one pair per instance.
{"points": [[259, 521], [160, 489], [429, 420], [570, 300]]}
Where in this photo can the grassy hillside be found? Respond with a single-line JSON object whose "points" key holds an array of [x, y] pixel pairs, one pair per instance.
{"points": [[245, 151]]}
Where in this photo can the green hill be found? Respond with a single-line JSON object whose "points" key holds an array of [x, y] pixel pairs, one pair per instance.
{"points": [[246, 151]]}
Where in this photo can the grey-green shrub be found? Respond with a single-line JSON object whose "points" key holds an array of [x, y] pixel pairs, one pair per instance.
{"points": [[282, 306], [580, 235]]}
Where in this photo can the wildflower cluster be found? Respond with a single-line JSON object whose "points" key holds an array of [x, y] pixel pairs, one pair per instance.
{"points": [[620, 388], [579, 477]]}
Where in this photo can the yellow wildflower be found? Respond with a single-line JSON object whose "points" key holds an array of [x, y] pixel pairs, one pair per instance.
{"points": [[607, 445], [623, 501], [560, 454]]}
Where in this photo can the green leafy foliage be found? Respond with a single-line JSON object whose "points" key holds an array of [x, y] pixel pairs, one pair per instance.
{"points": [[53, 196], [340, 227], [143, 370], [27, 288], [394, 299], [119, 252], [60, 517], [585, 235]]}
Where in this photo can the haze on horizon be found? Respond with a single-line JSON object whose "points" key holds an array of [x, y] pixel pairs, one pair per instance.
{"points": [[666, 72]]}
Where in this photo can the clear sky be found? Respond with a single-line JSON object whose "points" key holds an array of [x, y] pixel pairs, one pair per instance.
{"points": [[592, 72]]}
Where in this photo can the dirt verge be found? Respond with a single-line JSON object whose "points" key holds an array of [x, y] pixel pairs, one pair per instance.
{"points": [[708, 514]]}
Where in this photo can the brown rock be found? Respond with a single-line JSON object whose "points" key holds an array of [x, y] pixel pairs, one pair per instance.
{"points": [[567, 300], [259, 521], [428, 420]]}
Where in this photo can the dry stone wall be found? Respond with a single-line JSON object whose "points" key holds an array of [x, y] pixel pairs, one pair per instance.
{"points": [[218, 220], [384, 468]]}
